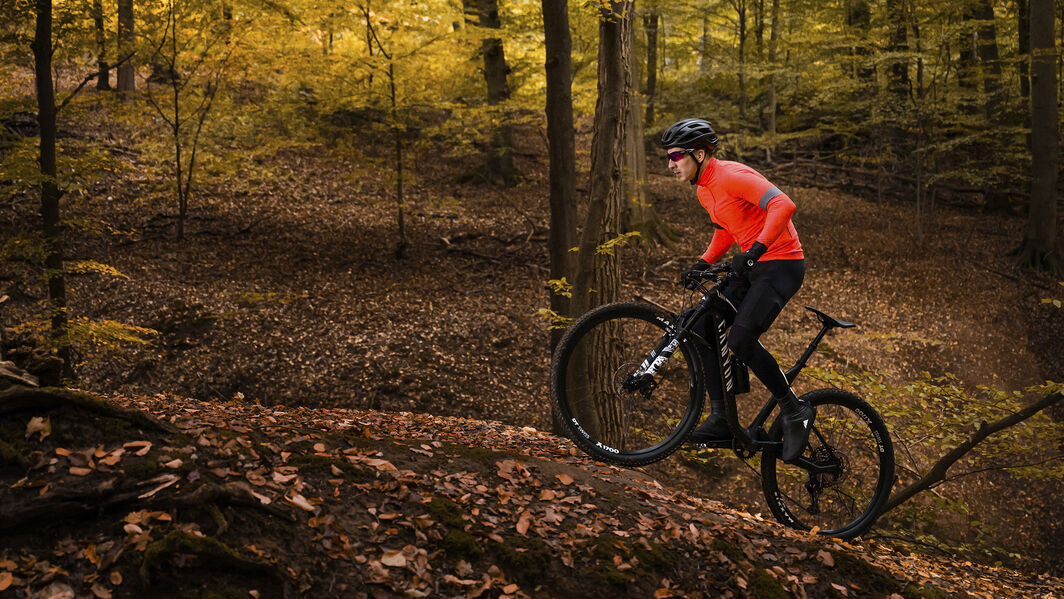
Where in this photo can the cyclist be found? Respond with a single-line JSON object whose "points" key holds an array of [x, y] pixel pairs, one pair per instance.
{"points": [[745, 208]]}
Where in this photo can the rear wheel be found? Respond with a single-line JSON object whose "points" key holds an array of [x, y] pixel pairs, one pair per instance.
{"points": [[844, 475], [611, 413]]}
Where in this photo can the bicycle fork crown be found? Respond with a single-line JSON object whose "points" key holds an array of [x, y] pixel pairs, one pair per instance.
{"points": [[651, 368]]}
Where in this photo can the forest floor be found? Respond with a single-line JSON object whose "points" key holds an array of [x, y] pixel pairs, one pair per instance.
{"points": [[169, 497], [286, 291]]}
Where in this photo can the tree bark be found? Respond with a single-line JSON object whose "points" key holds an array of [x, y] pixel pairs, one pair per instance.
{"points": [[1023, 28], [50, 193], [598, 274], [1039, 249], [562, 149], [126, 40], [103, 72], [500, 159]]}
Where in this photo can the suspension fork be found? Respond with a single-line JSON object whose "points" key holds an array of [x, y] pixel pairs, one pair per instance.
{"points": [[643, 377]]}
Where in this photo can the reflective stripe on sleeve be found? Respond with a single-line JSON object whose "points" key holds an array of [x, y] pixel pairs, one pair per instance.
{"points": [[771, 193]]}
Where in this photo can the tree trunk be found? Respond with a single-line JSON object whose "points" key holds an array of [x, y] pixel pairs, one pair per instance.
{"points": [[1024, 47], [125, 48], [987, 50], [103, 72], [400, 208], [50, 194], [637, 213], [898, 73], [561, 139], [740, 8], [598, 274], [1039, 249], [770, 94], [650, 22], [500, 159], [859, 18]]}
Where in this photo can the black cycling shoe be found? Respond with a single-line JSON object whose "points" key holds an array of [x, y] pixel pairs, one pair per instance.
{"points": [[796, 427], [715, 428]]}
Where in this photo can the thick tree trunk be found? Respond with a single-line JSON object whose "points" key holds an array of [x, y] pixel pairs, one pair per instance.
{"points": [[561, 139], [103, 72], [650, 23], [50, 194], [598, 273], [1039, 249], [125, 48]]}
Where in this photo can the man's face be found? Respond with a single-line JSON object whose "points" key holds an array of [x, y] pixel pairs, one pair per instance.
{"points": [[683, 164]]}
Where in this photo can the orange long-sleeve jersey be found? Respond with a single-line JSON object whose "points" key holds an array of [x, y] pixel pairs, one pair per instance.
{"points": [[745, 207]]}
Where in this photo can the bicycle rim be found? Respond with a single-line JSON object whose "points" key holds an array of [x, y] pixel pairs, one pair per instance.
{"points": [[607, 418], [851, 441]]}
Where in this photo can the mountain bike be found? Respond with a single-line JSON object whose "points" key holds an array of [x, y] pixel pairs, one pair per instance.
{"points": [[627, 384]]}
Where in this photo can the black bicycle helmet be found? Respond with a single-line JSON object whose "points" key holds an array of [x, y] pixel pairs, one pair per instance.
{"points": [[690, 134]]}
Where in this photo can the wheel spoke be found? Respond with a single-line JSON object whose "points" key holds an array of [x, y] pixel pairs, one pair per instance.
{"points": [[615, 411], [852, 476]]}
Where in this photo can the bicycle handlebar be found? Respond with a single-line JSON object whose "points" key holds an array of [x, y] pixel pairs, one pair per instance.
{"points": [[716, 273]]}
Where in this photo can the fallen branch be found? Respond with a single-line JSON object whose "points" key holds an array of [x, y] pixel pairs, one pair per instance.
{"points": [[937, 474]]}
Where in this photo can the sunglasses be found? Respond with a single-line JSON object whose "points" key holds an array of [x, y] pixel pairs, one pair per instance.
{"points": [[679, 154]]}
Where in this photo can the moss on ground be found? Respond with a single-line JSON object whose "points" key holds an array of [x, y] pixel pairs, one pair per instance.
{"points": [[913, 591], [765, 586]]}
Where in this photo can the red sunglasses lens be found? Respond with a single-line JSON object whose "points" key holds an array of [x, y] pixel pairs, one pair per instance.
{"points": [[677, 156]]}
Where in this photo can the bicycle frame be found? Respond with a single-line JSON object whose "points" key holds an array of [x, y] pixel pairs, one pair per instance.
{"points": [[753, 438]]}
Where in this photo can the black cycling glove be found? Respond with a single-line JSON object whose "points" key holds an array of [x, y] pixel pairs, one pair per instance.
{"points": [[744, 261], [693, 275]]}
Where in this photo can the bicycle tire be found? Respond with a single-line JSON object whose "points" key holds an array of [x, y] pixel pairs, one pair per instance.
{"points": [[594, 357], [849, 436]]}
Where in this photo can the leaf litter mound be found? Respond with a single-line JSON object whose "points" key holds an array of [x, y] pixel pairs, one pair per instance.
{"points": [[165, 496]]}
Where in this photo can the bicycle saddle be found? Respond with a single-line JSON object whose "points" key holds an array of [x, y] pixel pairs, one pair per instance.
{"points": [[829, 321]]}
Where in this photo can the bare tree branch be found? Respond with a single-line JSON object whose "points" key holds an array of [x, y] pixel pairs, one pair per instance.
{"points": [[937, 474]]}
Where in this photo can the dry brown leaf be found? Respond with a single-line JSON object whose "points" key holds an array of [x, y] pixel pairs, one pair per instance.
{"points": [[80, 471], [6, 578], [565, 479], [394, 559], [39, 424]]}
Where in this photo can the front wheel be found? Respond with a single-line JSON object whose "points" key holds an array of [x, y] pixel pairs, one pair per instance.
{"points": [[844, 475], [613, 411]]}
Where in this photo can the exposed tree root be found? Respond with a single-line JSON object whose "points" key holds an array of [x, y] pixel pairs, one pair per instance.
{"points": [[213, 554], [66, 504], [18, 399]]}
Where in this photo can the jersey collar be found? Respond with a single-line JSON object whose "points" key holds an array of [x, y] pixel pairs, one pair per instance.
{"points": [[709, 171]]}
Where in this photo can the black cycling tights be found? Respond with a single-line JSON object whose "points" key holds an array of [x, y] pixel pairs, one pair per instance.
{"points": [[756, 301]]}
